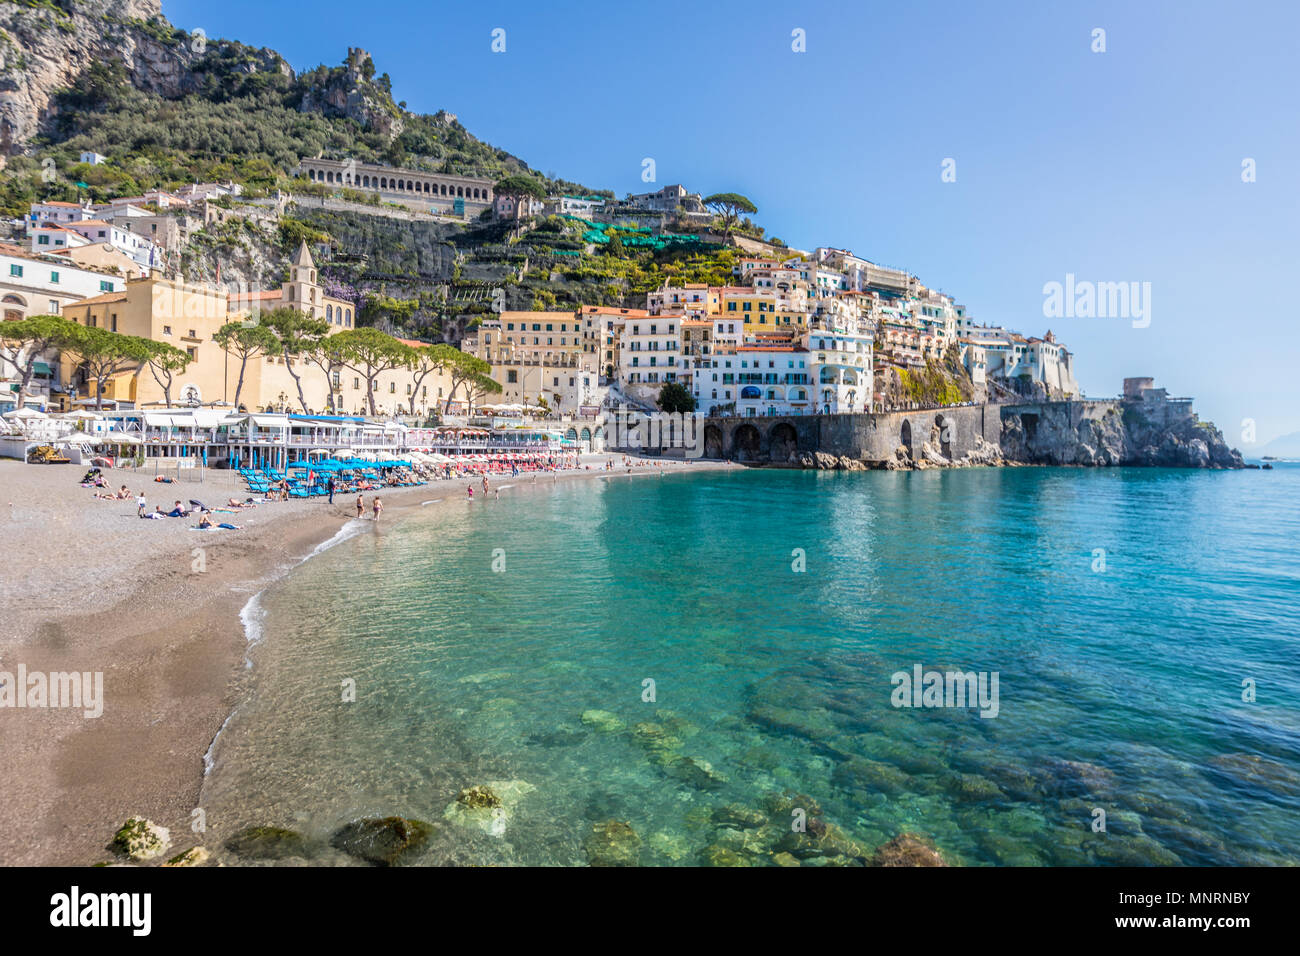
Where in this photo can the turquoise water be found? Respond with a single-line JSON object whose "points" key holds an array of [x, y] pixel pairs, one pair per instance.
{"points": [[1120, 689]]}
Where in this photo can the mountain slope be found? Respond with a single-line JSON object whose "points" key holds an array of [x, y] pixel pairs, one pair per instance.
{"points": [[167, 107]]}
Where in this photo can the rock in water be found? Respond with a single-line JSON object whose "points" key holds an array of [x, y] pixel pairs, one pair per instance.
{"points": [[488, 808], [139, 839], [603, 721], [267, 843], [195, 856], [612, 843], [907, 849], [383, 841]]}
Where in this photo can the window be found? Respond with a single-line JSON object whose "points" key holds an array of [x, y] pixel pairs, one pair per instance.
{"points": [[512, 376], [192, 352], [16, 270], [356, 383], [112, 322], [54, 307], [106, 287], [43, 240], [167, 329]]}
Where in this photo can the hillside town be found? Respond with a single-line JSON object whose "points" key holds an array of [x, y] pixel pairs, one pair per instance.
{"points": [[793, 333]]}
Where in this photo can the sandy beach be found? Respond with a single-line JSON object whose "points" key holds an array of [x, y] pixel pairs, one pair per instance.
{"points": [[154, 606]]}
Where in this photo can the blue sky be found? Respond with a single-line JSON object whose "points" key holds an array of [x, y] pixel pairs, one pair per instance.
{"points": [[1117, 166]]}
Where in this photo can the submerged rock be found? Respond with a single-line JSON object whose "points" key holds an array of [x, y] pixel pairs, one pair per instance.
{"points": [[823, 842], [267, 843], [1259, 772], [602, 721], [698, 773], [873, 776], [383, 841], [907, 849], [612, 843], [972, 788], [141, 839], [715, 855], [740, 816], [1078, 778], [195, 856], [671, 845], [488, 808]]}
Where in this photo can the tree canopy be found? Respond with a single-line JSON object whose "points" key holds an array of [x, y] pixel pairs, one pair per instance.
{"points": [[730, 206]]}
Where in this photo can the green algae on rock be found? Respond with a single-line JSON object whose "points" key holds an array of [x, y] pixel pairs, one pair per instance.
{"points": [[140, 839]]}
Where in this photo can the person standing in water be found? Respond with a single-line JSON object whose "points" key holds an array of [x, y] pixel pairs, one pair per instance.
{"points": [[485, 485], [361, 506], [378, 507], [470, 490]]}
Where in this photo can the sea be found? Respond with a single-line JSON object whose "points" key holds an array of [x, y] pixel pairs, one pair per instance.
{"points": [[716, 667]]}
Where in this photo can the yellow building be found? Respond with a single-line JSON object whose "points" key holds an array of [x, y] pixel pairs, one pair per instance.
{"points": [[189, 316]]}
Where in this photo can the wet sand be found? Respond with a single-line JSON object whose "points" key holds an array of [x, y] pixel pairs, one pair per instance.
{"points": [[88, 586]]}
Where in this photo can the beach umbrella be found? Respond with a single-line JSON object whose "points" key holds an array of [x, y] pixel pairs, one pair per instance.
{"points": [[79, 438], [25, 413]]}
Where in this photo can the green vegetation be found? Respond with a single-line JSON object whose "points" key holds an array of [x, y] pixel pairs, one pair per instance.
{"points": [[675, 397], [932, 385], [729, 206]]}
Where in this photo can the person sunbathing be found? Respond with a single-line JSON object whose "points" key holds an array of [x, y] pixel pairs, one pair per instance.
{"points": [[205, 522], [178, 512]]}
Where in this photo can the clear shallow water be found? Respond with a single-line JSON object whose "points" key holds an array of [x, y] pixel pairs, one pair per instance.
{"points": [[1119, 690]]}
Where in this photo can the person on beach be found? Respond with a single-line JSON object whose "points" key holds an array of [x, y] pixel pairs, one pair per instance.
{"points": [[332, 485], [485, 486], [378, 507], [140, 504], [470, 491], [123, 493], [177, 511], [361, 506]]}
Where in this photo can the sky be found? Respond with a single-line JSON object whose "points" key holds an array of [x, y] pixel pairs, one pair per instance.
{"points": [[1123, 165]]}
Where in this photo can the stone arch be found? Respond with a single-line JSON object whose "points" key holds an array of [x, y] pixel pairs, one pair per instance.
{"points": [[712, 441], [905, 436], [941, 435], [783, 441], [585, 434], [746, 443]]}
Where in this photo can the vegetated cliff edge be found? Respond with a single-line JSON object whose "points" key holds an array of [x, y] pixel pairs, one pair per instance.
{"points": [[1110, 434]]}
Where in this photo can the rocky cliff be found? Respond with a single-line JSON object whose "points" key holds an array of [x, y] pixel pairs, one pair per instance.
{"points": [[46, 45], [44, 48], [1076, 434]]}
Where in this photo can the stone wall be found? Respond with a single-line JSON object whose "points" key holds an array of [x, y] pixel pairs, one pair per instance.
{"points": [[1092, 433], [952, 432]]}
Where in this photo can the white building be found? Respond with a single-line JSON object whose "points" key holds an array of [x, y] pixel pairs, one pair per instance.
{"points": [[94, 159], [140, 248], [48, 236], [650, 354]]}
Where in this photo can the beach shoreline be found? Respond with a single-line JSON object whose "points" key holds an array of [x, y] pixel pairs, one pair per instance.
{"points": [[156, 608]]}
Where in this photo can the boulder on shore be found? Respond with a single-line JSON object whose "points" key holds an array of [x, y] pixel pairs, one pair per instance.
{"points": [[141, 839]]}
